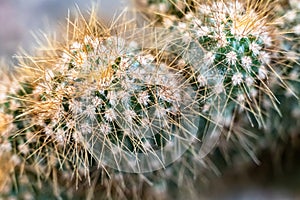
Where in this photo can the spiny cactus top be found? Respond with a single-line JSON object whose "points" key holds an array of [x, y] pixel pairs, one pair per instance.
{"points": [[231, 53], [122, 103], [230, 46], [103, 96]]}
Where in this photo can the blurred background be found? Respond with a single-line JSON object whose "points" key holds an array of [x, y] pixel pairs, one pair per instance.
{"points": [[19, 18]]}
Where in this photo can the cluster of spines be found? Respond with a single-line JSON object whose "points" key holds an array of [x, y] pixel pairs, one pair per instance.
{"points": [[250, 49], [84, 101], [79, 92]]}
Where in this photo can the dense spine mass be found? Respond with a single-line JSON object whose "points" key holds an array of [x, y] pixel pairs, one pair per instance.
{"points": [[124, 111]]}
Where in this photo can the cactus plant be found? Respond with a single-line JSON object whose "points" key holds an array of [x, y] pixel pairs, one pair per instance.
{"points": [[119, 112], [99, 99], [232, 50]]}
